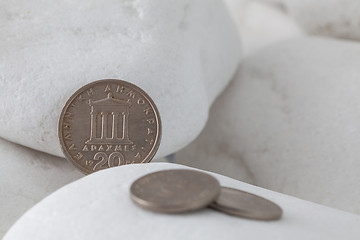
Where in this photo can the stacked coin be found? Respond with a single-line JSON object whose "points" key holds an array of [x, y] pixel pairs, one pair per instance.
{"points": [[178, 191], [109, 123]]}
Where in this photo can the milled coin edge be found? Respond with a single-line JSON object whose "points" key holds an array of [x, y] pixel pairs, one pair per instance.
{"points": [[236, 212], [172, 208]]}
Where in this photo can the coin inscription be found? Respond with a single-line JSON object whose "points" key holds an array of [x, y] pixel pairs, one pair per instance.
{"points": [[243, 204], [109, 123], [175, 191]]}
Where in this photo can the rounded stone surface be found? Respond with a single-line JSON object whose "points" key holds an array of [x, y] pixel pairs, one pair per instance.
{"points": [[181, 53], [292, 120], [175, 191], [98, 206], [109, 123], [244, 204]]}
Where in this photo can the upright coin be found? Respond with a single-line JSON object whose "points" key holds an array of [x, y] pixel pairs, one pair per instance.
{"points": [[109, 123], [247, 205], [175, 191]]}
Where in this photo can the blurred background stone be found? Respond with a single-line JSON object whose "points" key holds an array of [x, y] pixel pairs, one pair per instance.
{"points": [[261, 24], [26, 177], [289, 122], [333, 18]]}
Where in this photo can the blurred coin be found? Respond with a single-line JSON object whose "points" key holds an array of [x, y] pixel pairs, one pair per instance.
{"points": [[247, 205], [175, 191], [109, 123]]}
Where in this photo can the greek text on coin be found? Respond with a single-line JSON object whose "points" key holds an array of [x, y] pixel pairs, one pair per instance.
{"points": [[109, 123]]}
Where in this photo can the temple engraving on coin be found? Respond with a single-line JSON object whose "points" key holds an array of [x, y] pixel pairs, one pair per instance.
{"points": [[109, 123], [112, 114]]}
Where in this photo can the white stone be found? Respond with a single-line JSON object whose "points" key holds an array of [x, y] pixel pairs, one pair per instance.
{"points": [[182, 53], [337, 18], [290, 123], [261, 24], [26, 177], [99, 207]]}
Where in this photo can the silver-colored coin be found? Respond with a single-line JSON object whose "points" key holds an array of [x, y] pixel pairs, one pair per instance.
{"points": [[175, 191], [109, 123], [247, 205]]}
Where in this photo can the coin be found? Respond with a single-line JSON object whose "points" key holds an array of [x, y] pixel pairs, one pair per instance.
{"points": [[247, 205], [175, 191], [109, 123]]}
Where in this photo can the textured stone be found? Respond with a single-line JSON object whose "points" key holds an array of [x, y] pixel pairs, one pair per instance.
{"points": [[336, 18], [98, 206], [182, 53], [290, 122], [261, 24], [26, 177]]}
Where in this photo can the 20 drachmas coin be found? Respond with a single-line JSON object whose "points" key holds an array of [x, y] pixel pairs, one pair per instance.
{"points": [[109, 123]]}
